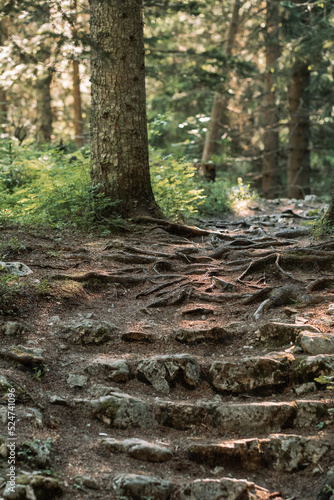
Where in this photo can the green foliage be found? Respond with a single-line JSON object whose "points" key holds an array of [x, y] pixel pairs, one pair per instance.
{"points": [[327, 380], [217, 197], [175, 187], [52, 188]]}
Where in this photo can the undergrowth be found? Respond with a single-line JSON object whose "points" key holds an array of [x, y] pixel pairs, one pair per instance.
{"points": [[51, 188]]}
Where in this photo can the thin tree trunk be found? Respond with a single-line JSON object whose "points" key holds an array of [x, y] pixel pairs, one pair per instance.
{"points": [[299, 128], [3, 94], [119, 144], [78, 123], [43, 88], [270, 165], [328, 218], [77, 101], [43, 110], [218, 117]]}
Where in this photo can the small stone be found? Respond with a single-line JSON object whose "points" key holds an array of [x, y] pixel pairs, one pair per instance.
{"points": [[138, 486], [87, 481], [87, 331], [138, 449], [14, 329], [304, 388], [74, 380], [116, 370], [136, 336], [330, 310], [16, 268]]}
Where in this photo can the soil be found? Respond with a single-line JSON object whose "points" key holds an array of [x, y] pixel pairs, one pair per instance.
{"points": [[60, 286]]}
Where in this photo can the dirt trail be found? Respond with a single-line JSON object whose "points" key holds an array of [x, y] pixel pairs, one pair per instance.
{"points": [[171, 362]]}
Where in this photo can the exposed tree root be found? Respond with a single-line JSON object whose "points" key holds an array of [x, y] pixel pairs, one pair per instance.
{"points": [[180, 229]]}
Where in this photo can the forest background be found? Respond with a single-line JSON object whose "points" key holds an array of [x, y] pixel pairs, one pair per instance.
{"points": [[243, 88]]}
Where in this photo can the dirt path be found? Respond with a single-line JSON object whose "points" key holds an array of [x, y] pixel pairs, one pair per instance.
{"points": [[171, 362]]}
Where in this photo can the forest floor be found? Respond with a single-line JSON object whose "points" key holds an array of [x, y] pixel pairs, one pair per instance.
{"points": [[160, 335]]}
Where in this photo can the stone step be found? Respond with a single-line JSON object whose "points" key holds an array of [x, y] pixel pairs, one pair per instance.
{"points": [[122, 411], [280, 452], [271, 372], [138, 487]]}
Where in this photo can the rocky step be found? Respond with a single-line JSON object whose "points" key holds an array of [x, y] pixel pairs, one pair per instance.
{"points": [[271, 372], [138, 487], [280, 452], [120, 410]]}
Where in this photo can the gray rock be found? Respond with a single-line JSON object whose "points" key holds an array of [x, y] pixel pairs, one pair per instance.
{"points": [[309, 413], [277, 334], [37, 452], [316, 343], [16, 268], [87, 331], [250, 373], [86, 481], [161, 371], [280, 451], [305, 388], [254, 417], [330, 310], [291, 453], [116, 370], [184, 415], [33, 486], [75, 380], [306, 369], [138, 487], [120, 410], [214, 334], [14, 329], [216, 489], [138, 449], [31, 414]]}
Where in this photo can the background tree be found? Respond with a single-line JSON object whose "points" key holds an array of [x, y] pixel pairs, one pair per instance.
{"points": [[270, 167], [218, 117]]}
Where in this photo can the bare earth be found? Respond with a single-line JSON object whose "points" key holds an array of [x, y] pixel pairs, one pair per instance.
{"points": [[165, 289]]}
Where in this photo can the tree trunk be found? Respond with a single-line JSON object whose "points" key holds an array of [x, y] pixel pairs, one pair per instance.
{"points": [[119, 145], [43, 110], [78, 124], [43, 86], [3, 95], [218, 117], [299, 132], [77, 101], [270, 165], [328, 218]]}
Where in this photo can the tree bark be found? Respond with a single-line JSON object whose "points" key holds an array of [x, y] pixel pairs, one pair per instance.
{"points": [[328, 218], [119, 145], [77, 101], [299, 132], [270, 165], [78, 124], [43, 86], [43, 110], [219, 117], [3, 94]]}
